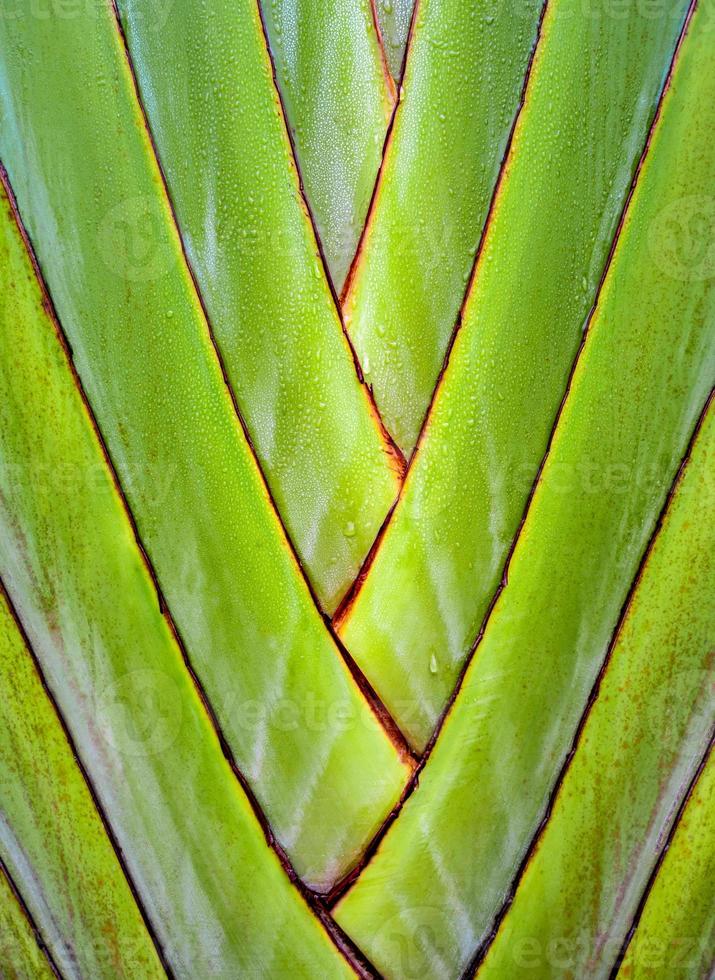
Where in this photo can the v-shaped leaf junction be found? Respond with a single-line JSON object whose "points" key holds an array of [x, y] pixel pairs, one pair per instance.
{"points": [[356, 422]]}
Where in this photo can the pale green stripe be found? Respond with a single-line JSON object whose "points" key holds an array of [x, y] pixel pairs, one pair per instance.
{"points": [[20, 955], [338, 98], [51, 837], [675, 938]]}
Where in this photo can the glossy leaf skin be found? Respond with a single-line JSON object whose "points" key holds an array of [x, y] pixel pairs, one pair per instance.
{"points": [[20, 954], [675, 936], [460, 93], [641, 746], [575, 147], [446, 865], [217, 897], [338, 96], [394, 18], [142, 350], [205, 78], [52, 839]]}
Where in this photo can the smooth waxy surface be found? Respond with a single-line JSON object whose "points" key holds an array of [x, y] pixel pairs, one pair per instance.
{"points": [[442, 872], [338, 96], [458, 100], [394, 18], [641, 745], [319, 762], [51, 837], [575, 147], [675, 936], [20, 954], [205, 78], [217, 897]]}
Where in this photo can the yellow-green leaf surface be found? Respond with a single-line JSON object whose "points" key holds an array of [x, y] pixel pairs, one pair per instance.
{"points": [[641, 745], [20, 954], [205, 77], [52, 839], [442, 871], [217, 896], [460, 93], [74, 144], [575, 147], [675, 936], [394, 17], [338, 97]]}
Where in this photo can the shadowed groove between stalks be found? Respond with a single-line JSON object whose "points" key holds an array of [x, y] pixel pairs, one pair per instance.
{"points": [[342, 887], [354, 956]]}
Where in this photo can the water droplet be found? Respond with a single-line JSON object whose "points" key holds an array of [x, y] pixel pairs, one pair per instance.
{"points": [[433, 664]]}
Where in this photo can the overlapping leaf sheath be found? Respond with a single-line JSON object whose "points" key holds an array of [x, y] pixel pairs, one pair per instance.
{"points": [[20, 953], [592, 94], [443, 870], [394, 19], [338, 96], [641, 745], [205, 77], [216, 895], [52, 840], [676, 932], [74, 143], [459, 97]]}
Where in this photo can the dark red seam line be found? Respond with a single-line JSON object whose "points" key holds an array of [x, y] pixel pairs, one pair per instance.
{"points": [[379, 710], [342, 886], [391, 446], [348, 600], [88, 781], [483, 949], [49, 308], [408, 40], [41, 944], [661, 858], [370, 695], [369, 217], [389, 80], [343, 944]]}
